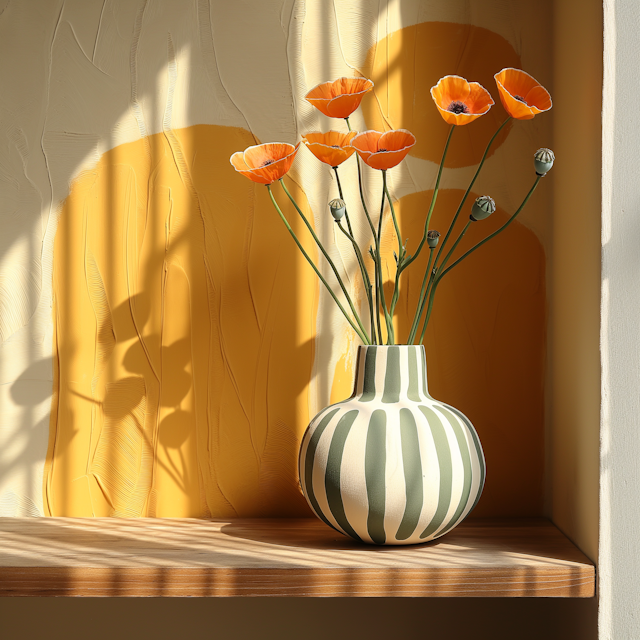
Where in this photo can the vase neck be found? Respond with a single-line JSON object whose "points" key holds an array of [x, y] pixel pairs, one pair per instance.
{"points": [[391, 374]]}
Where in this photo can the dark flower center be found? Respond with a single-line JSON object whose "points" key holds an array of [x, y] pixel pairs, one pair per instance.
{"points": [[335, 146], [458, 107], [266, 163], [521, 99], [379, 150]]}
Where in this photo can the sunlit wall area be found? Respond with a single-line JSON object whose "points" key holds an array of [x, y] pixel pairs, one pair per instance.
{"points": [[164, 345]]}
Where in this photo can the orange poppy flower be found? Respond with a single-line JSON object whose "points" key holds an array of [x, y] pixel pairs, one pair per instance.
{"points": [[383, 150], [340, 98], [265, 163], [460, 102], [521, 95], [332, 148]]}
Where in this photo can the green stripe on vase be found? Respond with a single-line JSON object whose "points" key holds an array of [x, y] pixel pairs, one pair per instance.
{"points": [[375, 466], [369, 382], [309, 458], [479, 452], [412, 464], [393, 377], [466, 465], [332, 475], [446, 471], [413, 393]]}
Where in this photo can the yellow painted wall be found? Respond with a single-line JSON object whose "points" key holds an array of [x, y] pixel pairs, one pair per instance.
{"points": [[184, 324], [185, 334]]}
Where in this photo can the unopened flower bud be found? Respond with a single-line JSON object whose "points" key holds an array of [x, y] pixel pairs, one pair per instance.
{"points": [[543, 160], [482, 208], [338, 208], [432, 238]]}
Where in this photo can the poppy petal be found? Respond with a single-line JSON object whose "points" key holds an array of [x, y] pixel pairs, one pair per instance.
{"points": [[516, 81], [258, 155], [521, 94], [386, 159], [237, 160], [448, 116], [539, 98], [332, 147], [383, 150], [238, 163], [340, 98], [516, 108], [366, 141], [343, 106], [479, 100], [475, 98], [450, 89], [396, 140], [330, 156], [265, 163], [278, 168]]}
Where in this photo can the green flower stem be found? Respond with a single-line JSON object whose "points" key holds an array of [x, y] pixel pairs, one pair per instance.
{"points": [[434, 197], [436, 280], [396, 287], [365, 276], [393, 212], [346, 214], [466, 195], [329, 260], [363, 269], [455, 244], [423, 292], [373, 233], [375, 241], [377, 276], [364, 204], [495, 233], [361, 335], [477, 246], [432, 293], [377, 279], [387, 318]]}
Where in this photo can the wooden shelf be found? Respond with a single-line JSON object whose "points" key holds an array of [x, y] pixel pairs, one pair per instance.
{"points": [[281, 557]]}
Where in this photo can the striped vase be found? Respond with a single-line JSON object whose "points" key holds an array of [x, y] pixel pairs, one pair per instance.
{"points": [[391, 465]]}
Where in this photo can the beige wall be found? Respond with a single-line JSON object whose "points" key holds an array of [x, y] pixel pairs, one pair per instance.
{"points": [[574, 273], [573, 399]]}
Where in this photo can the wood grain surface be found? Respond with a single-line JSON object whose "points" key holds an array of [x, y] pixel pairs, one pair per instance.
{"points": [[282, 557]]}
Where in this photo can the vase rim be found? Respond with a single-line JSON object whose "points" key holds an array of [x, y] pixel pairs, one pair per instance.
{"points": [[389, 346]]}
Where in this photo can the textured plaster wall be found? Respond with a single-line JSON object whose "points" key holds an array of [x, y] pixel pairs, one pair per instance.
{"points": [[144, 314], [81, 78]]}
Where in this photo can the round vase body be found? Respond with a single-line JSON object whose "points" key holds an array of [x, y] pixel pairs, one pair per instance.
{"points": [[391, 465]]}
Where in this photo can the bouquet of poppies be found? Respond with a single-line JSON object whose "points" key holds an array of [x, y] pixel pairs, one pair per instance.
{"points": [[460, 103]]}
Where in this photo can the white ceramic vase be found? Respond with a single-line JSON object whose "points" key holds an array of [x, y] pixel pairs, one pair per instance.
{"points": [[391, 465]]}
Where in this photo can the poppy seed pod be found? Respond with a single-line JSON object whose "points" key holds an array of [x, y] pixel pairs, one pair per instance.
{"points": [[543, 160], [482, 208], [432, 238], [338, 209]]}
